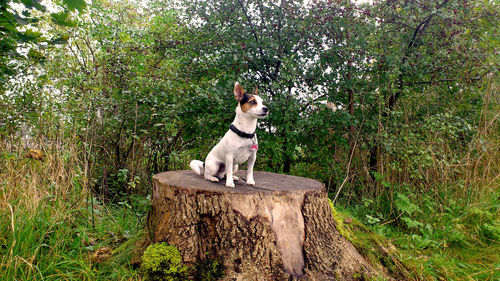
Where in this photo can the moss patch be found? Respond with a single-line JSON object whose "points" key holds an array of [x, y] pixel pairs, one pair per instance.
{"points": [[161, 261]]}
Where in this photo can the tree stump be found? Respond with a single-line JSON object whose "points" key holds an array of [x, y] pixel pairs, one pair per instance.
{"points": [[280, 229]]}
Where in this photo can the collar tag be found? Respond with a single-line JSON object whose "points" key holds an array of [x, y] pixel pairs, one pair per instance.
{"points": [[254, 147]]}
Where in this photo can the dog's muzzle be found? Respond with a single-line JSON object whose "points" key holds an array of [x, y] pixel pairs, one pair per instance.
{"points": [[265, 110]]}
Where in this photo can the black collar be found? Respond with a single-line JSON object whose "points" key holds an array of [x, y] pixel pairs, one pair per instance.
{"points": [[240, 133]]}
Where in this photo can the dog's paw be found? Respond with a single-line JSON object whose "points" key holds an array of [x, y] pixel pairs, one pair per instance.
{"points": [[212, 179], [235, 178], [250, 182], [229, 184]]}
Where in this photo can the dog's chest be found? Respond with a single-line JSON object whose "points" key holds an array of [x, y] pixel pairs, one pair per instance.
{"points": [[242, 154]]}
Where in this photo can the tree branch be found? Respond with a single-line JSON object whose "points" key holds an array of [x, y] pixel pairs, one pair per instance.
{"points": [[77, 59], [421, 27], [312, 101]]}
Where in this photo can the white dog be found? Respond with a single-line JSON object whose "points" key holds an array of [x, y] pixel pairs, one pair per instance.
{"points": [[238, 145]]}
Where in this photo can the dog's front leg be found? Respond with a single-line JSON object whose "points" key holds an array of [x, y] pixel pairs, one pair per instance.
{"points": [[251, 162], [229, 170]]}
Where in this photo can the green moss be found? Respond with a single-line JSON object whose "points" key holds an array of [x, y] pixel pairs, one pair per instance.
{"points": [[339, 221], [163, 262]]}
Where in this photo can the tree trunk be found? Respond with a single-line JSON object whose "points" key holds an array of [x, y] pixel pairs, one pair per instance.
{"points": [[281, 229]]}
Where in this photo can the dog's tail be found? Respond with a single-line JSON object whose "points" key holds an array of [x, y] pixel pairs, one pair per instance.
{"points": [[197, 166]]}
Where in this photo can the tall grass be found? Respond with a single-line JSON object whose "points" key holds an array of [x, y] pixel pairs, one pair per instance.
{"points": [[42, 214]]}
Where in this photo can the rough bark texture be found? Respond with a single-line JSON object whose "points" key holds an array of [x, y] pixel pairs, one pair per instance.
{"points": [[281, 229]]}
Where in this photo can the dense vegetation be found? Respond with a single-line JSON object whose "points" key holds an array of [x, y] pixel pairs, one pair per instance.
{"points": [[393, 105]]}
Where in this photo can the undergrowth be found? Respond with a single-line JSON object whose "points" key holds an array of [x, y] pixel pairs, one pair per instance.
{"points": [[454, 244], [49, 227]]}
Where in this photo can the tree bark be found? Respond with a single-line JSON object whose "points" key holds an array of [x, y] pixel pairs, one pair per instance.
{"points": [[280, 229]]}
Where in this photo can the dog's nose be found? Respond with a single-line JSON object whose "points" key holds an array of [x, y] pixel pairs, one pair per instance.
{"points": [[265, 109]]}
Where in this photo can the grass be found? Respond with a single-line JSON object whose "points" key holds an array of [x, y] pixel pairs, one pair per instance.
{"points": [[48, 229], [40, 217], [43, 245]]}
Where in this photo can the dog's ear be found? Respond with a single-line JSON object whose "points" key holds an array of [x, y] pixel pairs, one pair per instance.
{"points": [[255, 91], [238, 91]]}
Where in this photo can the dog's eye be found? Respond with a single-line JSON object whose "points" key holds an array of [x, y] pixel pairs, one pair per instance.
{"points": [[252, 102]]}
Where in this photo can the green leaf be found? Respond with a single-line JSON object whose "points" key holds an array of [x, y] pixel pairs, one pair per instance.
{"points": [[62, 18], [37, 4], [412, 223], [30, 36], [403, 204], [372, 220], [34, 54], [72, 5], [124, 37]]}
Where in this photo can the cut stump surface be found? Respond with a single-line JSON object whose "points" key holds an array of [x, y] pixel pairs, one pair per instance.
{"points": [[281, 228]]}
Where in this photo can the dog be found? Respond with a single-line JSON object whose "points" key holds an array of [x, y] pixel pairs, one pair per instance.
{"points": [[238, 145]]}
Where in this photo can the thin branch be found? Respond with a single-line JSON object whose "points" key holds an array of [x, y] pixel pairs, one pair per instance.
{"points": [[93, 55], [252, 28], [76, 57], [348, 169], [82, 54], [421, 27], [391, 221], [347, 177]]}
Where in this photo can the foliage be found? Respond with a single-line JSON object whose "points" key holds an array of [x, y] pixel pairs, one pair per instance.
{"points": [[163, 262], [19, 30]]}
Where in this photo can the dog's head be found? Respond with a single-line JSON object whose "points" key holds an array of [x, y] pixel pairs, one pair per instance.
{"points": [[250, 104]]}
